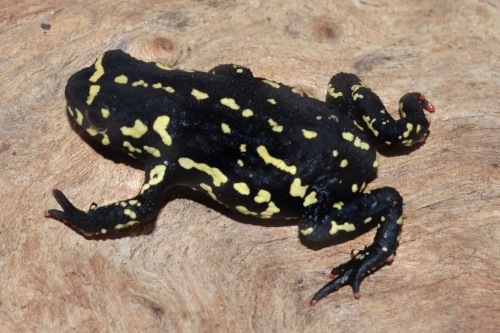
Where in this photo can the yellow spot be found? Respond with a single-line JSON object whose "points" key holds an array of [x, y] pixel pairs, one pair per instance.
{"points": [[105, 139], [370, 123], [91, 131], [167, 68], [355, 96], [348, 227], [123, 204], [139, 83], [247, 113], [296, 91], [136, 131], [103, 231], [297, 189], [409, 127], [348, 136], [418, 128], [275, 126], [401, 112], [152, 150], [240, 163], [309, 134], [71, 112], [338, 205], [225, 128], [93, 91], [145, 187], [354, 188], [361, 144], [199, 95], [310, 199], [358, 125], [355, 88], [169, 89], [245, 210], [331, 92], [262, 196], [400, 220], [367, 220], [157, 85], [375, 163], [126, 225], [131, 148], [209, 190], [385, 249], [319, 117], [363, 186], [358, 254], [130, 213], [99, 70], [271, 83], [105, 113], [217, 176], [307, 231], [133, 202], [271, 101], [160, 127], [243, 148], [230, 103], [121, 79], [407, 142], [335, 153], [270, 210], [280, 164], [241, 188], [157, 174], [344, 163]]}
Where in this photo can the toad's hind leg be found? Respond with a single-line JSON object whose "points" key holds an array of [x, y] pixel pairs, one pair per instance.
{"points": [[382, 206], [347, 92]]}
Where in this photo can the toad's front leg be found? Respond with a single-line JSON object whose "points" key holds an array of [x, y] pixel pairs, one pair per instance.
{"points": [[119, 215]]}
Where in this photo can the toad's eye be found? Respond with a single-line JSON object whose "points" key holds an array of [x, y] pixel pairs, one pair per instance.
{"points": [[96, 120]]}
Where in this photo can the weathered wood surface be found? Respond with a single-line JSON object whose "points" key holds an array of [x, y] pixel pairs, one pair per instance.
{"points": [[198, 270]]}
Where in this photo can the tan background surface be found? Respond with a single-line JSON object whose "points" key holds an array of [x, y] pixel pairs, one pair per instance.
{"points": [[198, 270]]}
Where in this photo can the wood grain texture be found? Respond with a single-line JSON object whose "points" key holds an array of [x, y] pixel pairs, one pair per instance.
{"points": [[198, 270]]}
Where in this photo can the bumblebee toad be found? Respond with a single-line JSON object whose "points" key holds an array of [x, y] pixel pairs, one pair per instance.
{"points": [[256, 146]]}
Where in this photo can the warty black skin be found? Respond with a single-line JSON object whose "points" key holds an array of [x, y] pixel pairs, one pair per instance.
{"points": [[254, 145]]}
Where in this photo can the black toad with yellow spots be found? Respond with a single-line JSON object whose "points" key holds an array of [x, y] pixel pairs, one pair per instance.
{"points": [[254, 145]]}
